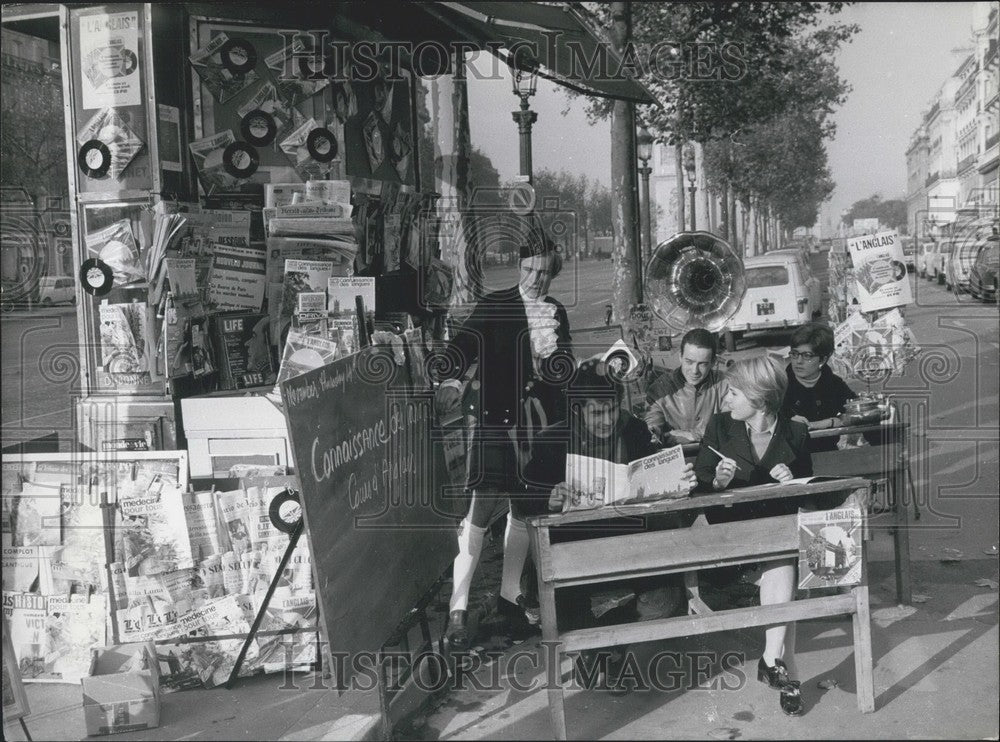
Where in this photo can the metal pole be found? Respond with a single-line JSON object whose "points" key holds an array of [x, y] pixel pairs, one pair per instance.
{"points": [[694, 220], [647, 235], [525, 118]]}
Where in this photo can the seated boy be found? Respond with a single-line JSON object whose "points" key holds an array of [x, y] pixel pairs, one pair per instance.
{"points": [[598, 427]]}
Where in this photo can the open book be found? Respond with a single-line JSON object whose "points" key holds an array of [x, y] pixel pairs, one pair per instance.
{"points": [[598, 482], [810, 480]]}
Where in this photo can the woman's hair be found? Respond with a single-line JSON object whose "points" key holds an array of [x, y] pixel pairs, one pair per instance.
{"points": [[762, 379], [816, 336]]}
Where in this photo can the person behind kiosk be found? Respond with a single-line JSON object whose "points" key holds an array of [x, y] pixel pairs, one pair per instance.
{"points": [[816, 396], [759, 444], [521, 341], [599, 427], [681, 401]]}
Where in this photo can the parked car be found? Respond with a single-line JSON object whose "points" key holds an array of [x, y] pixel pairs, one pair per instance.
{"points": [[56, 290], [777, 297], [985, 268], [910, 251], [814, 286], [936, 259], [958, 266], [922, 255]]}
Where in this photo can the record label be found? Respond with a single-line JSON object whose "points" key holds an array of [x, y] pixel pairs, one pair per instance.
{"points": [[240, 160], [96, 277], [322, 145], [94, 159], [258, 128], [285, 511], [238, 56]]}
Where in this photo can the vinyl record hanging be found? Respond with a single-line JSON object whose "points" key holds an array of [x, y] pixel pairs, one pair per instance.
{"points": [[321, 145], [238, 56], [96, 277], [94, 159], [240, 160], [258, 128]]}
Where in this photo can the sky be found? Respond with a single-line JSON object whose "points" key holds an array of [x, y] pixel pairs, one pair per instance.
{"points": [[895, 64]]}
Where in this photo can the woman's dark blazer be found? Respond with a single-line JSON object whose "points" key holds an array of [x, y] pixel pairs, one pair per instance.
{"points": [[789, 446]]}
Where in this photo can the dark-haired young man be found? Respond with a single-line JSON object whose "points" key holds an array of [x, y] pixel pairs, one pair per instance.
{"points": [[682, 401]]}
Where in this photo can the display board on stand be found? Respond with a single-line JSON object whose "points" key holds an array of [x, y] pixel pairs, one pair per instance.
{"points": [[380, 518]]}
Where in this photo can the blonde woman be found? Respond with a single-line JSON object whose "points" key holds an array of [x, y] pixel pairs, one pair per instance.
{"points": [[760, 445]]}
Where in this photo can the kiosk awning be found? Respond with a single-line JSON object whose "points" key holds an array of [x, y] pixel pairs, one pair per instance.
{"points": [[568, 50]]}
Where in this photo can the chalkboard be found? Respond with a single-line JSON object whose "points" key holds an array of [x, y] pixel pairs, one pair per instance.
{"points": [[380, 518]]}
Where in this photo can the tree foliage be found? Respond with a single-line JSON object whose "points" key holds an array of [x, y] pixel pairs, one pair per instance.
{"points": [[890, 213]]}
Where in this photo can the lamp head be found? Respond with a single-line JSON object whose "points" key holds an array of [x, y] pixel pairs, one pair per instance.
{"points": [[644, 144]]}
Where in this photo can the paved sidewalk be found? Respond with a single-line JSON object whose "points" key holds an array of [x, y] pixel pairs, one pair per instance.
{"points": [[936, 676]]}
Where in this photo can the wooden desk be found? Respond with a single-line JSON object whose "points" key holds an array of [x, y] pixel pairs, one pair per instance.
{"points": [[886, 457], [685, 550]]}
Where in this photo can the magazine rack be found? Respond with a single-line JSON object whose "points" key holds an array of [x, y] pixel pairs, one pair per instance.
{"points": [[687, 550]]}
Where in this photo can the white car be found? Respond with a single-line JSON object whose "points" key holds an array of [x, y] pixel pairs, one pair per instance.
{"points": [[777, 297], [813, 285], [936, 260], [56, 290]]}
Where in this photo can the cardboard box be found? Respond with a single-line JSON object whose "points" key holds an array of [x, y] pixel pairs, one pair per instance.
{"points": [[122, 693]]}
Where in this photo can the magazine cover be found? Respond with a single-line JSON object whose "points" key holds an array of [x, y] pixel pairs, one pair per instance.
{"points": [[236, 280], [26, 618], [110, 127], [236, 518], [208, 154], [344, 290], [115, 245], [269, 111], [222, 83], [203, 530], [78, 563], [830, 545], [296, 147], [74, 626], [244, 351], [304, 353], [34, 516], [126, 350], [155, 532], [20, 567], [283, 64], [300, 276], [879, 271]]}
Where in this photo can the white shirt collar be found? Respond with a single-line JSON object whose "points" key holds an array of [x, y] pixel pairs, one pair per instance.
{"points": [[527, 299], [768, 430]]}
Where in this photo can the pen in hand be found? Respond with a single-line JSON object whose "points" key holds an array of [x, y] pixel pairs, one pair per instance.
{"points": [[723, 456]]}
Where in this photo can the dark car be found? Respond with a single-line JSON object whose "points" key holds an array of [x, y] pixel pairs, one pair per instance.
{"points": [[983, 276]]}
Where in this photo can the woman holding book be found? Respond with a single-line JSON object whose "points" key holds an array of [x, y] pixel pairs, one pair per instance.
{"points": [[753, 443]]}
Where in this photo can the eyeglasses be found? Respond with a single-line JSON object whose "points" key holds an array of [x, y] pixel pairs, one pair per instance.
{"points": [[807, 356]]}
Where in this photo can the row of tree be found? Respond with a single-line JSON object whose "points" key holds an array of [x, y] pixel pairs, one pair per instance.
{"points": [[763, 125]]}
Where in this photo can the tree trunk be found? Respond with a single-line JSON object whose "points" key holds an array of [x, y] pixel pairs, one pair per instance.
{"points": [[681, 196], [724, 212], [626, 285]]}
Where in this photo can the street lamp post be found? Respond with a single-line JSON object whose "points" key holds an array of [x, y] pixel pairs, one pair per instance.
{"points": [[644, 149], [689, 168], [524, 84]]}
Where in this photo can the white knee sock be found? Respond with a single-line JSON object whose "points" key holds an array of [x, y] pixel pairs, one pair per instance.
{"points": [[470, 546], [515, 553]]}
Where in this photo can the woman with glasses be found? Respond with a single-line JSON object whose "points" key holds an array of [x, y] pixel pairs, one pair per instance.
{"points": [[816, 396]]}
